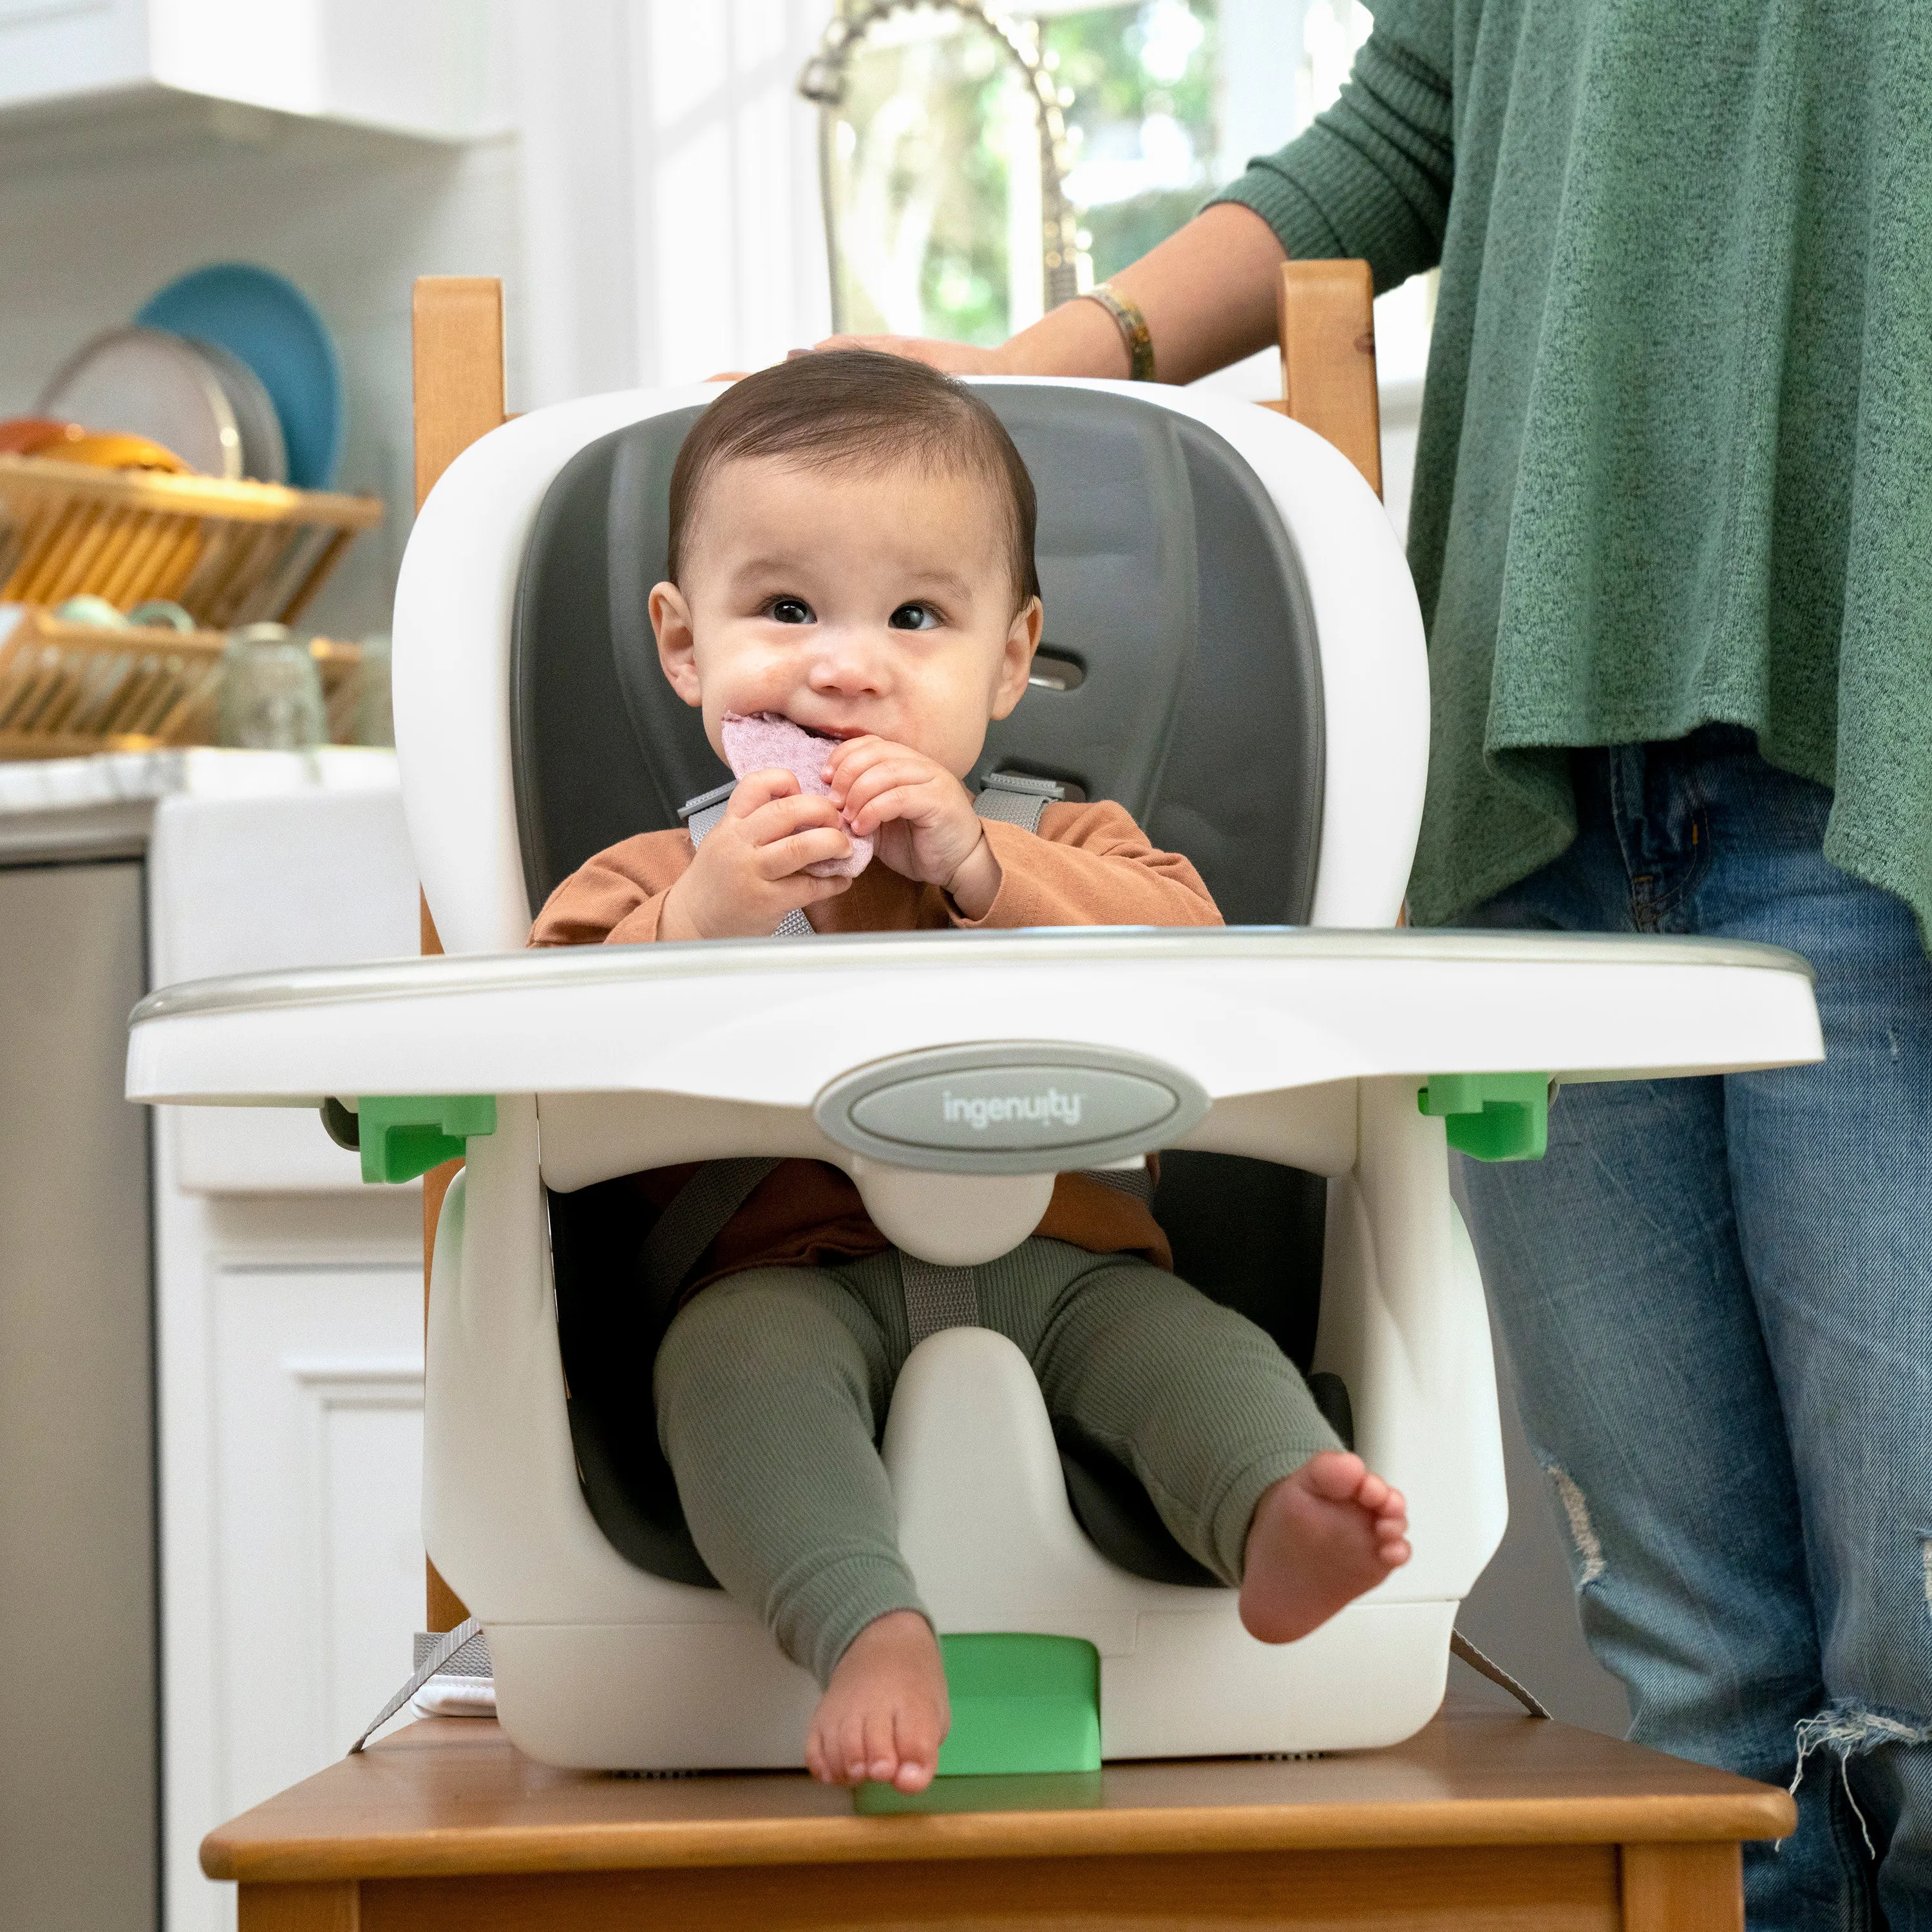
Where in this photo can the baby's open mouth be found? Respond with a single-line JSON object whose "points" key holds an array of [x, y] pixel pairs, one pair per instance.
{"points": [[838, 731]]}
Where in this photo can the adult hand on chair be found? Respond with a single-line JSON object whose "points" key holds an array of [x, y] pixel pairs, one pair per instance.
{"points": [[749, 872]]}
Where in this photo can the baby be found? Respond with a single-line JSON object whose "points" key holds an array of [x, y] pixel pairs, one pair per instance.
{"points": [[852, 551]]}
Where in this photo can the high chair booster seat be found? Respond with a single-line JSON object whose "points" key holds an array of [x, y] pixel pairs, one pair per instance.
{"points": [[1233, 650]]}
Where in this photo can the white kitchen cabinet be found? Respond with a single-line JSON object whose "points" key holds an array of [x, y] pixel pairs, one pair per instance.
{"points": [[291, 1374], [426, 68], [289, 1324]]}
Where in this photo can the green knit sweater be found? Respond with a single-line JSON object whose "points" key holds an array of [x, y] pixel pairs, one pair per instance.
{"points": [[1675, 459]]}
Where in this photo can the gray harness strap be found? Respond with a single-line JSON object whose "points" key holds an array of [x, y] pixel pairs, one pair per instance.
{"points": [[695, 1218], [1135, 1182], [936, 1297], [438, 1656], [1014, 799]]}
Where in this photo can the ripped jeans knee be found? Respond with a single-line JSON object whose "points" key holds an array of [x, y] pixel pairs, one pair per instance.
{"points": [[1850, 1729], [1583, 1537]]}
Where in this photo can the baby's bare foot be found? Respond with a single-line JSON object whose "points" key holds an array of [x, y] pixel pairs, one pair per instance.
{"points": [[884, 1715], [1319, 1538]]}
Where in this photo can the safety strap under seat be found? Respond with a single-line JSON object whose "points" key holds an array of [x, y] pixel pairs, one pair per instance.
{"points": [[936, 1297], [695, 1216]]}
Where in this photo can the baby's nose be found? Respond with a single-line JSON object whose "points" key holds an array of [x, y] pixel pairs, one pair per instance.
{"points": [[847, 663]]}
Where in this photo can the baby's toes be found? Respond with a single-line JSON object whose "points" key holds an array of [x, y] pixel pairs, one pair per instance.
{"points": [[882, 1760], [1393, 1551], [1335, 1474], [917, 1738], [1372, 1494]]}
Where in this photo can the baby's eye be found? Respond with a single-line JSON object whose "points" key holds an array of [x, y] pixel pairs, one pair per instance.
{"points": [[789, 611], [914, 617]]}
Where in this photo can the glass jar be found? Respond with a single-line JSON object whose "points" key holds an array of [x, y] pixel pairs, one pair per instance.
{"points": [[271, 692], [375, 717]]}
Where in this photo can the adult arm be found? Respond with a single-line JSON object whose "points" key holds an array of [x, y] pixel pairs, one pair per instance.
{"points": [[1370, 178]]}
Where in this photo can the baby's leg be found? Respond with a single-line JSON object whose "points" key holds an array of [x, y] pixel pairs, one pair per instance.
{"points": [[770, 1386], [1221, 1431]]}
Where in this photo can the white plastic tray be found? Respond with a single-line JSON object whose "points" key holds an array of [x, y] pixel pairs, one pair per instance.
{"points": [[1243, 1010]]}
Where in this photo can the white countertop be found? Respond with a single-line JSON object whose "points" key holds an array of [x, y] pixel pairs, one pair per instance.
{"points": [[103, 806]]}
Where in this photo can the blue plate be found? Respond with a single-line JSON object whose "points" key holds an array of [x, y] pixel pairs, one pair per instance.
{"points": [[274, 328]]}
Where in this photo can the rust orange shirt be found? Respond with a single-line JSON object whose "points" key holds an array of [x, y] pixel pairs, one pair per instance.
{"points": [[1088, 865]]}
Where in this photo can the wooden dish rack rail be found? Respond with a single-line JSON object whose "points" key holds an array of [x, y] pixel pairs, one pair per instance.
{"points": [[68, 690], [229, 554]]}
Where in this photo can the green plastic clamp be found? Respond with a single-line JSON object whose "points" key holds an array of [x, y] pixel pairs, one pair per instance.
{"points": [[1491, 1116], [1021, 1704], [403, 1136]]}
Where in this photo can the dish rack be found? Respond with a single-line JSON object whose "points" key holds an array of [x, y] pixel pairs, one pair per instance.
{"points": [[229, 554], [68, 690]]}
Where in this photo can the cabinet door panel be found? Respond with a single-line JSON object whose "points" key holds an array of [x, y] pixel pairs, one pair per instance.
{"points": [[318, 1480]]}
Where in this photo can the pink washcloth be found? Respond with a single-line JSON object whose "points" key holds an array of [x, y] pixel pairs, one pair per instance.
{"points": [[768, 743]]}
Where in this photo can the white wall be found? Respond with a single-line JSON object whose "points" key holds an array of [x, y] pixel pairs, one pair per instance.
{"points": [[670, 194], [96, 213]]}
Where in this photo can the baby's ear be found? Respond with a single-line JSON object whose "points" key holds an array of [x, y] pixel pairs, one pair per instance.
{"points": [[670, 619], [1016, 660]]}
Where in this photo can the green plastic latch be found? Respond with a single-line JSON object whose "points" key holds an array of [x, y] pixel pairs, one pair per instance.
{"points": [[403, 1135], [1022, 1703], [1491, 1116]]}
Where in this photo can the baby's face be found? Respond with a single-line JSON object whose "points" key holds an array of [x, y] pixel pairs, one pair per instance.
{"points": [[850, 603]]}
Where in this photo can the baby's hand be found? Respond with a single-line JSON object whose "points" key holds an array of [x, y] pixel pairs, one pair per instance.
{"points": [[920, 815], [749, 872]]}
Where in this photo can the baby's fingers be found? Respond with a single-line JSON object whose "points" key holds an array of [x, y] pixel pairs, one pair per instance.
{"points": [[888, 792], [781, 857], [851, 756], [758, 789], [781, 818]]}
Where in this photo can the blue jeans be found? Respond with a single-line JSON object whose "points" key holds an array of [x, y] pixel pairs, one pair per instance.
{"points": [[1717, 1293]]}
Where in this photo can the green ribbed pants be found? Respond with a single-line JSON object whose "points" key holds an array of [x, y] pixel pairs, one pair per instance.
{"points": [[771, 1389]]}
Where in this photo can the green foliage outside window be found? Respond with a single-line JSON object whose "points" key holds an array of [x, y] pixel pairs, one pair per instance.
{"points": [[1106, 55], [939, 231]]}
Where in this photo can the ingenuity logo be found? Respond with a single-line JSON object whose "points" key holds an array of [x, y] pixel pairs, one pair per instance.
{"points": [[1053, 1107]]}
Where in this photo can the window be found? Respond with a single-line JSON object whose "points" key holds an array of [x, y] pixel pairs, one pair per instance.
{"points": [[935, 197]]}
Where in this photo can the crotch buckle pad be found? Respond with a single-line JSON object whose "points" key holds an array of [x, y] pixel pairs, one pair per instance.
{"points": [[1010, 1107]]}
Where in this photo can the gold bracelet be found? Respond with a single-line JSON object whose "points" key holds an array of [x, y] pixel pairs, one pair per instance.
{"points": [[1133, 329]]}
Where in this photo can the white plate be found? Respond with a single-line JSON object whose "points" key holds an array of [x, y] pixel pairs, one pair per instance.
{"points": [[145, 382]]}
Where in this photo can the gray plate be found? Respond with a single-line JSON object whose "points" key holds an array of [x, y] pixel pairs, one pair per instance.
{"points": [[265, 456], [145, 382]]}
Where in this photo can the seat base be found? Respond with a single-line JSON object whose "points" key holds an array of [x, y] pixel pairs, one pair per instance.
{"points": [[649, 1697]]}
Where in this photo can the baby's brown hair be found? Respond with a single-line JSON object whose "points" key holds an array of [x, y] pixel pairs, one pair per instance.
{"points": [[857, 409]]}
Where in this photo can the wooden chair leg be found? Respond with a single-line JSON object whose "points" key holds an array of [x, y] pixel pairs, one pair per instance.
{"points": [[1327, 314], [1683, 1888], [457, 332]]}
